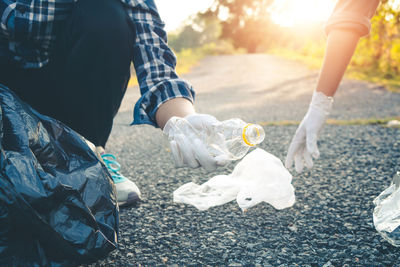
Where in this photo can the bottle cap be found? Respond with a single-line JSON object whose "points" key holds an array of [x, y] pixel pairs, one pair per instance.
{"points": [[253, 134]]}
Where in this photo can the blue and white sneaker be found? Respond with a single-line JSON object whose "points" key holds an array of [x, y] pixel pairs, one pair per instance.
{"points": [[127, 191]]}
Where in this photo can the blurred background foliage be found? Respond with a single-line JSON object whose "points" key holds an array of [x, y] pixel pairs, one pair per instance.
{"points": [[245, 26]]}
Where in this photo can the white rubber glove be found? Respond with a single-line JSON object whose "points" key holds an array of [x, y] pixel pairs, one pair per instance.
{"points": [[304, 143], [186, 137]]}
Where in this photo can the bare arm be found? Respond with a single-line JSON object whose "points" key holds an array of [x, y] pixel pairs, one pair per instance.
{"points": [[339, 50], [180, 107]]}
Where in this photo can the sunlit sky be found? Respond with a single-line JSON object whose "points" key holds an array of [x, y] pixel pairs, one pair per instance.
{"points": [[285, 12], [174, 12], [293, 12]]}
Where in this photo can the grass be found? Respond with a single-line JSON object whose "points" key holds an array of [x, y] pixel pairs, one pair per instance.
{"points": [[392, 84], [187, 59]]}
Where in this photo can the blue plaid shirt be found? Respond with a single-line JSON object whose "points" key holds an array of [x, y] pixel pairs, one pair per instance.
{"points": [[28, 29]]}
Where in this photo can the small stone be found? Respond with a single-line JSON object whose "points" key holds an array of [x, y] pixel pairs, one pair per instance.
{"points": [[292, 228], [393, 123], [328, 264], [229, 233]]}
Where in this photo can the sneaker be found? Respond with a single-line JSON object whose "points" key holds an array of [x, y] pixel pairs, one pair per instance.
{"points": [[127, 191]]}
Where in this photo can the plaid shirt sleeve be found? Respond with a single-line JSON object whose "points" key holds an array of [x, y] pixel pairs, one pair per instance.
{"points": [[154, 63]]}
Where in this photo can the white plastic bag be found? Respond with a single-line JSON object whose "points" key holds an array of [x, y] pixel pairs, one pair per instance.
{"points": [[259, 176], [387, 212]]}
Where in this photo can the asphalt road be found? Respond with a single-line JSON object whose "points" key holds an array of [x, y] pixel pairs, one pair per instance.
{"points": [[331, 222]]}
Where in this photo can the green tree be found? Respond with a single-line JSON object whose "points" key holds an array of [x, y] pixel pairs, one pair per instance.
{"points": [[380, 50], [248, 23], [187, 38], [204, 28]]}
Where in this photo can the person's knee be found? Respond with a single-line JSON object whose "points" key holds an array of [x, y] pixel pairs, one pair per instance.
{"points": [[104, 21]]}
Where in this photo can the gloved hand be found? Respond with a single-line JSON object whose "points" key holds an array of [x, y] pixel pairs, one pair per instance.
{"points": [[187, 144], [304, 143]]}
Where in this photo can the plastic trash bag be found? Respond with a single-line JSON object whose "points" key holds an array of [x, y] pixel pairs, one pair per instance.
{"points": [[57, 201], [386, 214], [258, 177]]}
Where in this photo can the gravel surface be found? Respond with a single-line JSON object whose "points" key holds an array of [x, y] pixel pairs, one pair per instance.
{"points": [[331, 222]]}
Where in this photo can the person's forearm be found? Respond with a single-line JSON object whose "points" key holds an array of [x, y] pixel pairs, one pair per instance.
{"points": [[179, 107], [340, 48]]}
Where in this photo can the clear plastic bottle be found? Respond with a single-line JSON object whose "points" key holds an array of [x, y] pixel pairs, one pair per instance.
{"points": [[232, 139], [226, 140]]}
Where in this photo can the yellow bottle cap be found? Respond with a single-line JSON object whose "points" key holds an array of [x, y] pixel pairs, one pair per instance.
{"points": [[245, 137]]}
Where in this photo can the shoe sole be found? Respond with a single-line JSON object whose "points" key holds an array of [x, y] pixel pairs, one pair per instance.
{"points": [[132, 199]]}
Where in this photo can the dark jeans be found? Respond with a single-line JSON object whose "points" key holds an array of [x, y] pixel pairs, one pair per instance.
{"points": [[86, 79]]}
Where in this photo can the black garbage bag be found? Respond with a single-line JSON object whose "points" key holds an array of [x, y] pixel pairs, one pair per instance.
{"points": [[57, 200]]}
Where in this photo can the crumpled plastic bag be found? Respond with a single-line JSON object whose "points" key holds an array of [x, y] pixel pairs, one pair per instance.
{"points": [[386, 214], [258, 177], [57, 200]]}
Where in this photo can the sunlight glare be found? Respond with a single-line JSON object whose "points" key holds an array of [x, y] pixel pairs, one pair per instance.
{"points": [[289, 13], [395, 4], [175, 12]]}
